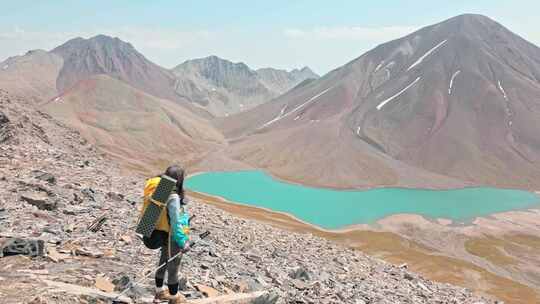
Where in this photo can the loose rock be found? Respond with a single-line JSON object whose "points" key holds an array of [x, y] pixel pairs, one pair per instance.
{"points": [[40, 200]]}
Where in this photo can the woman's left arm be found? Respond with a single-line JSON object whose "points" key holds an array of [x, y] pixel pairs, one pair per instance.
{"points": [[178, 220]]}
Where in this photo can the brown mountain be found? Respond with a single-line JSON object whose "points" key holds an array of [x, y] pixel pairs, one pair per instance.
{"points": [[42, 75], [101, 54], [32, 75], [116, 98], [207, 85], [140, 130], [455, 102], [223, 87]]}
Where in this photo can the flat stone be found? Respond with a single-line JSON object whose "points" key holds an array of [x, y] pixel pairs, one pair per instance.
{"points": [[403, 266], [407, 276], [103, 284], [270, 298], [39, 199], [19, 246], [55, 256], [300, 285], [115, 196], [47, 177], [126, 239], [300, 274], [241, 286], [89, 253], [207, 291]]}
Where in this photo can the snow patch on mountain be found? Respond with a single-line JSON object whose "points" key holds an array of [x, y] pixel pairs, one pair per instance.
{"points": [[379, 107], [379, 66], [417, 62], [309, 101], [452, 81], [281, 115], [278, 117], [502, 90]]}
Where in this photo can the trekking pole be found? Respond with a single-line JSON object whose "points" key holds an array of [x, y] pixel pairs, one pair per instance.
{"points": [[131, 284]]}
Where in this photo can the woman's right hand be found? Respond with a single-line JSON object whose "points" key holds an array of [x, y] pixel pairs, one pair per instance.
{"points": [[186, 247]]}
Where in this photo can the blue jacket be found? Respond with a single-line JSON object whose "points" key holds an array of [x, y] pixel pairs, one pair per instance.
{"points": [[178, 220]]}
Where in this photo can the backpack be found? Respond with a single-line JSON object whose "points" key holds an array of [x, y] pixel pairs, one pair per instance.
{"points": [[159, 236], [149, 188], [157, 192]]}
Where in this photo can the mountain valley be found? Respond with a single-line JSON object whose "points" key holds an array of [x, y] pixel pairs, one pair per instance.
{"points": [[452, 105]]}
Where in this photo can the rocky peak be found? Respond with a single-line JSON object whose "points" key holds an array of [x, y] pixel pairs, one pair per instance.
{"points": [[282, 80], [305, 73], [98, 41], [102, 54], [472, 21], [35, 52], [225, 87], [470, 26], [101, 50], [220, 72]]}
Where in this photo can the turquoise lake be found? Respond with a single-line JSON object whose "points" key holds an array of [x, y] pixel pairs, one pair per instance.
{"points": [[332, 209]]}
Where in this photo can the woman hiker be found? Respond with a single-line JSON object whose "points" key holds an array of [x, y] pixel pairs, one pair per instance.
{"points": [[172, 234]]}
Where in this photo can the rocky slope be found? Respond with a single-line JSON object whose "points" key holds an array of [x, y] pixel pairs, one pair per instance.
{"points": [[223, 87], [458, 100], [54, 185]]}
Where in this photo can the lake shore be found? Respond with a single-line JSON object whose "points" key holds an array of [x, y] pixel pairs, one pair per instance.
{"points": [[496, 224], [291, 181], [435, 248], [465, 185], [374, 222]]}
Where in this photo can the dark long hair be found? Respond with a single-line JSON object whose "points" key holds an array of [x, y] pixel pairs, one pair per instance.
{"points": [[177, 172]]}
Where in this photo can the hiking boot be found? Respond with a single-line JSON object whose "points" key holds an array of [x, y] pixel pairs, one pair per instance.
{"points": [[177, 299], [162, 295]]}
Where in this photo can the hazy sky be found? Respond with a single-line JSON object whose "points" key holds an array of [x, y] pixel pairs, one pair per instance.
{"points": [[283, 34]]}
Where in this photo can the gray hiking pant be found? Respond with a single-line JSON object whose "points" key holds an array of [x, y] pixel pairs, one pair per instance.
{"points": [[169, 250]]}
